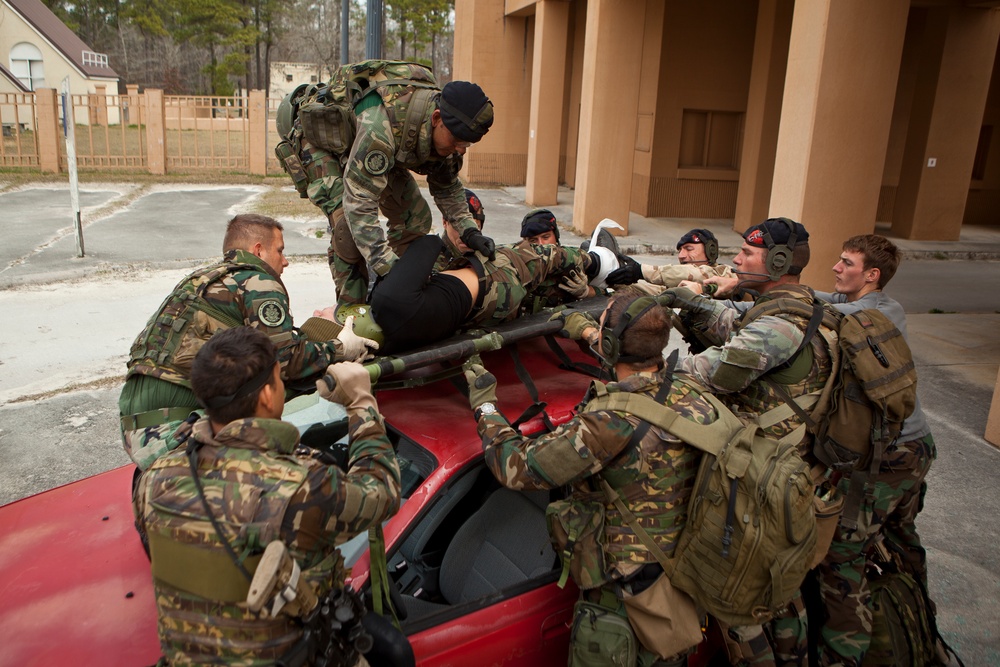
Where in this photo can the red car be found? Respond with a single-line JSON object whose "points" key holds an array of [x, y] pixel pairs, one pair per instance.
{"points": [[471, 560]]}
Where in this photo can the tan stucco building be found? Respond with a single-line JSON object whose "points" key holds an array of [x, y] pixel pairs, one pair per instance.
{"points": [[837, 113]]}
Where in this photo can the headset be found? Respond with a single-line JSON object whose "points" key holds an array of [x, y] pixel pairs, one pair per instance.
{"points": [[611, 340], [711, 245], [779, 255]]}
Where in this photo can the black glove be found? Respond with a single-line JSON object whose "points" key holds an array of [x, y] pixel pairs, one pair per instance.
{"points": [[484, 245], [628, 272]]}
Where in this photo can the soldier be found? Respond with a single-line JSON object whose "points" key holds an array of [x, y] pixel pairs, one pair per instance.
{"points": [[754, 361], [372, 173], [245, 288], [540, 227], [650, 469], [414, 306], [867, 263], [242, 482], [698, 254], [453, 245]]}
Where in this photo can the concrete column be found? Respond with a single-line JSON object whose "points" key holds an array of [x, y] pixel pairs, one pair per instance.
{"points": [[843, 62], [609, 105], [545, 125], [958, 49], [993, 420], [257, 109], [156, 132], [760, 129], [49, 130]]}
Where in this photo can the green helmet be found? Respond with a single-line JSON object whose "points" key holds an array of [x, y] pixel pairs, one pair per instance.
{"points": [[364, 324], [287, 111]]}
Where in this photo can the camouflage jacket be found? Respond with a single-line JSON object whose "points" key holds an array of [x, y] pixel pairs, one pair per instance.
{"points": [[548, 294], [655, 479], [376, 152], [240, 290], [518, 270], [261, 487], [671, 275], [745, 353]]}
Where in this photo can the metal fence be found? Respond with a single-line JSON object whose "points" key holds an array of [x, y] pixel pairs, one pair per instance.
{"points": [[19, 147]]}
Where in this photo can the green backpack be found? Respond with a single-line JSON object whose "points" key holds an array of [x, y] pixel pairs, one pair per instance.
{"points": [[751, 529]]}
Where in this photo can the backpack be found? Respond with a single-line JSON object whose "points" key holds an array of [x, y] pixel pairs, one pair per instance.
{"points": [[326, 112], [860, 411], [751, 530]]}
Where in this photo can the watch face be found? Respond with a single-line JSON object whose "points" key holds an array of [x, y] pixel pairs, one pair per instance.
{"points": [[487, 409]]}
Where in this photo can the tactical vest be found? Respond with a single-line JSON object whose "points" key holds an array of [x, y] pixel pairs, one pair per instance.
{"points": [[248, 492], [166, 347]]}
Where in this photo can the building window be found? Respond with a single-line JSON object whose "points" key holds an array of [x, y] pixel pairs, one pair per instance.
{"points": [[710, 139], [982, 153], [26, 65], [288, 78]]}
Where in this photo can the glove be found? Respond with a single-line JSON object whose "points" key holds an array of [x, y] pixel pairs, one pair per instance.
{"points": [[576, 284], [574, 322], [482, 384], [484, 245], [349, 384], [356, 348], [628, 272]]}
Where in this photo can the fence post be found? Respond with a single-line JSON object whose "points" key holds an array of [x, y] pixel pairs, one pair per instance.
{"points": [[49, 131], [100, 98], [258, 132], [156, 131]]}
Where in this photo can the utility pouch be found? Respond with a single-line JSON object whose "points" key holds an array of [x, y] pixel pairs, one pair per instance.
{"points": [[664, 618], [600, 637], [828, 503], [327, 126], [576, 528], [290, 162]]}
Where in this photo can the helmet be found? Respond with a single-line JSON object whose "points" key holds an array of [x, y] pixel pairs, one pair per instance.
{"points": [[287, 110], [364, 323]]}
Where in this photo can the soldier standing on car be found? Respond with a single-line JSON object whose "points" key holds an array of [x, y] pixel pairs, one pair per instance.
{"points": [[241, 483], [245, 288], [650, 469]]}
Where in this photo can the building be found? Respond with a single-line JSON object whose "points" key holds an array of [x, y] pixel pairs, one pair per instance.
{"points": [[838, 113], [287, 76]]}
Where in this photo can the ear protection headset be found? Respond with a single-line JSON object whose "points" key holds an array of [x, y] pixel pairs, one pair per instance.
{"points": [[711, 246], [611, 340], [779, 255]]}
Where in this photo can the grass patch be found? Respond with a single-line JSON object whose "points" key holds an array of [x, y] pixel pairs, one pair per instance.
{"points": [[281, 202]]}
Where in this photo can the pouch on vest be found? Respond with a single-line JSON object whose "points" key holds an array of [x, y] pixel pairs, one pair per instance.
{"points": [[292, 164], [576, 528], [327, 126], [664, 618], [600, 637]]}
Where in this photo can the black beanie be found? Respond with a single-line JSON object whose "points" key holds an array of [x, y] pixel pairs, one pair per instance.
{"points": [[538, 222], [465, 110], [779, 231]]}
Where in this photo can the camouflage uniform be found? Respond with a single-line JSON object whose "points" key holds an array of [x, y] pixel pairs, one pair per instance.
{"points": [[374, 175], [671, 275], [735, 366], [240, 290], [261, 488], [895, 499], [549, 294], [655, 479]]}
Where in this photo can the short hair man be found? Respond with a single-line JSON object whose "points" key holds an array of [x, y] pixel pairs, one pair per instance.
{"points": [[697, 252], [540, 227], [244, 288], [242, 482], [756, 360], [867, 263], [395, 135], [654, 476]]}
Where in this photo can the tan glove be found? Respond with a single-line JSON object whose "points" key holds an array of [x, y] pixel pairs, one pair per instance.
{"points": [[576, 284], [351, 386], [356, 348], [574, 323], [482, 384]]}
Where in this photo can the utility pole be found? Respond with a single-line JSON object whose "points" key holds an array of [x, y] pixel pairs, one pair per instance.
{"points": [[345, 31], [373, 30]]}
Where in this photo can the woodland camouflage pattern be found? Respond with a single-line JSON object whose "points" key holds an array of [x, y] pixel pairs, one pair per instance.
{"points": [[261, 486], [671, 275], [655, 479], [246, 291], [347, 183]]}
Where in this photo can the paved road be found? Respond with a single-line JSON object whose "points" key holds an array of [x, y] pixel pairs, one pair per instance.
{"points": [[68, 323]]}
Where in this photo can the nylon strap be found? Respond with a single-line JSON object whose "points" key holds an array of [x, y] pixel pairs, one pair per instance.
{"points": [[381, 600], [537, 407], [155, 418], [568, 364]]}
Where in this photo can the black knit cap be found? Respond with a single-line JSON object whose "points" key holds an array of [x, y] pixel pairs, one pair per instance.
{"points": [[696, 236], [475, 207], [780, 231], [538, 222], [465, 110]]}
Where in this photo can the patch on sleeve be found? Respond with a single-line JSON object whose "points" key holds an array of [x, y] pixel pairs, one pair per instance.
{"points": [[376, 162], [271, 313]]}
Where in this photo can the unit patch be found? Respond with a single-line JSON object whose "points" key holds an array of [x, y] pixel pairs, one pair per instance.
{"points": [[376, 162], [271, 313]]}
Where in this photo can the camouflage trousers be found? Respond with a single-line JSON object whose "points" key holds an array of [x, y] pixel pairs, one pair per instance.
{"points": [[890, 510], [783, 642]]}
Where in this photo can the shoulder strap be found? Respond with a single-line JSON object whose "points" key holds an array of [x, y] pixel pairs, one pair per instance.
{"points": [[415, 114]]}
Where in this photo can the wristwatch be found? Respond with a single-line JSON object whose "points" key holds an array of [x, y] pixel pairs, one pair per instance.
{"points": [[484, 409]]}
